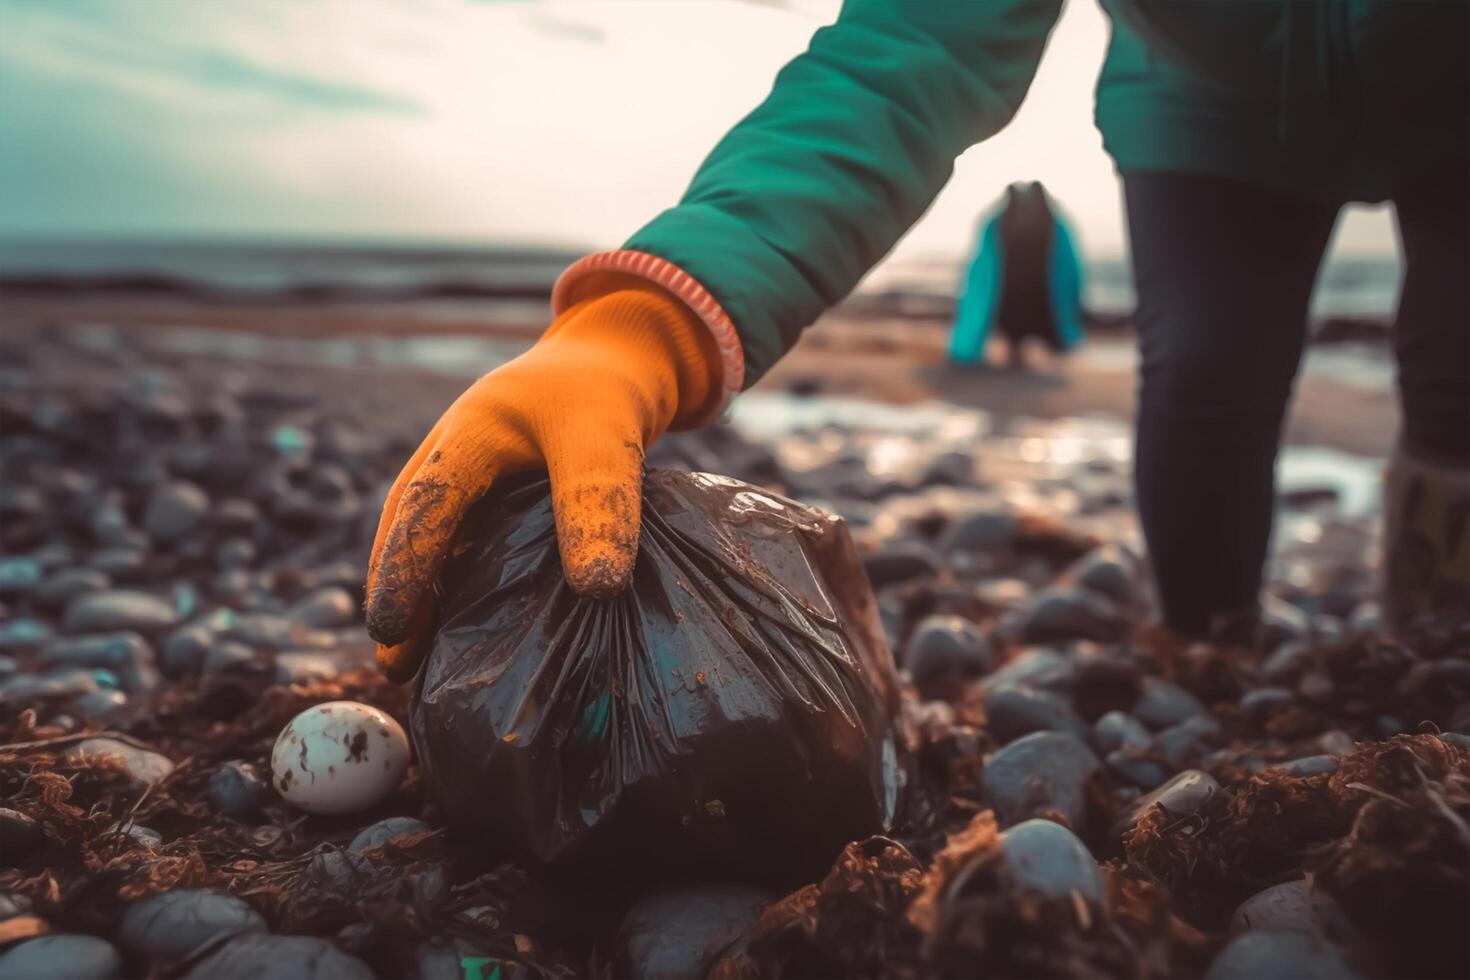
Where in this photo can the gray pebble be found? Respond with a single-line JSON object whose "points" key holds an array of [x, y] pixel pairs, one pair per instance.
{"points": [[944, 649], [1312, 765], [324, 608], [1143, 773], [1292, 907], [1070, 614], [1336, 742], [19, 576], [126, 654], [254, 956], [1266, 700], [1118, 729], [1109, 571], [123, 564], [1043, 770], [100, 706], [144, 766], [61, 957], [1163, 704], [267, 631], [981, 533], [1048, 858], [105, 612], [1279, 956], [18, 834], [1186, 793], [1181, 742], [185, 649], [1012, 711], [175, 510], [679, 934], [1456, 739], [900, 561], [62, 586], [172, 925], [1286, 661], [24, 690], [385, 830], [1038, 667], [227, 656], [236, 789], [24, 634]]}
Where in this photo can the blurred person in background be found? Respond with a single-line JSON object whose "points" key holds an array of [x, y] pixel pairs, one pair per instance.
{"points": [[1025, 282], [1239, 131]]}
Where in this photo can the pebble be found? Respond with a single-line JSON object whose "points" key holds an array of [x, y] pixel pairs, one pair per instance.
{"points": [[8, 666], [268, 631], [1315, 686], [19, 576], [236, 789], [900, 561], [175, 510], [1336, 742], [18, 833], [61, 957], [1285, 661], [1118, 729], [1164, 704], [385, 830], [339, 757], [105, 612], [25, 689], [1293, 907], [1312, 765], [1111, 572], [144, 766], [1043, 770], [1279, 956], [1143, 773], [24, 634], [185, 649], [1266, 700], [235, 553], [1012, 711], [944, 649], [126, 654], [1186, 793], [257, 956], [324, 608], [981, 533], [1178, 743], [100, 706], [172, 925], [1037, 667], [679, 934], [1046, 857], [62, 586], [227, 656], [124, 564], [1282, 622], [1060, 613]]}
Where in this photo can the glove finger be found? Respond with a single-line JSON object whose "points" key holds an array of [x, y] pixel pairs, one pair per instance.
{"points": [[395, 493], [427, 514], [597, 495], [400, 663]]}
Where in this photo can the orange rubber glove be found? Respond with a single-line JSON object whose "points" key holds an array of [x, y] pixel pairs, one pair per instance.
{"points": [[607, 378]]}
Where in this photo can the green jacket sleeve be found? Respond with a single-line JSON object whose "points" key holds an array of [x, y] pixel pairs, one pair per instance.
{"points": [[858, 135]]}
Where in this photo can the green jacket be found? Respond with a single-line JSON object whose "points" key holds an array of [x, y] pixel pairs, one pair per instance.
{"points": [[1341, 99]]}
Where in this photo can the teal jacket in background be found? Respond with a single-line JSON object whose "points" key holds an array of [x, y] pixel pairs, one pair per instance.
{"points": [[1340, 100], [980, 300]]}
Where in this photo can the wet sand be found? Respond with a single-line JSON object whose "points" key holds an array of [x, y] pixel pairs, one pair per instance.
{"points": [[895, 361]]}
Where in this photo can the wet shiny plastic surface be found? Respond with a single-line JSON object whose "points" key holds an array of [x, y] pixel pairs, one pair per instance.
{"points": [[727, 710]]}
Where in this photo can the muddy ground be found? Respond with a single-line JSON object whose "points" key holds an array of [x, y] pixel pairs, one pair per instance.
{"points": [[184, 536]]}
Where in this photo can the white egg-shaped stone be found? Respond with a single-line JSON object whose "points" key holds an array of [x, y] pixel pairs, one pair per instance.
{"points": [[338, 757]]}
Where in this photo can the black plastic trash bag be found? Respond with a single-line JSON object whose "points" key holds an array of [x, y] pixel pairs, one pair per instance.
{"points": [[729, 710]]}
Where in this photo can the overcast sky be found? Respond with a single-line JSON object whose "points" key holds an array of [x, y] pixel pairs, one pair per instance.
{"points": [[553, 121]]}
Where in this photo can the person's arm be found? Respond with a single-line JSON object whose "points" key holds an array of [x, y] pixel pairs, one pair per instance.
{"points": [[857, 137], [788, 212]]}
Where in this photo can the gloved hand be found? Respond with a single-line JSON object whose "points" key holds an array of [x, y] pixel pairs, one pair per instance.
{"points": [[608, 377]]}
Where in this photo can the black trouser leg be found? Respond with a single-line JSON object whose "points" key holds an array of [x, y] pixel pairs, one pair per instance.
{"points": [[1432, 336], [1224, 274]]}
